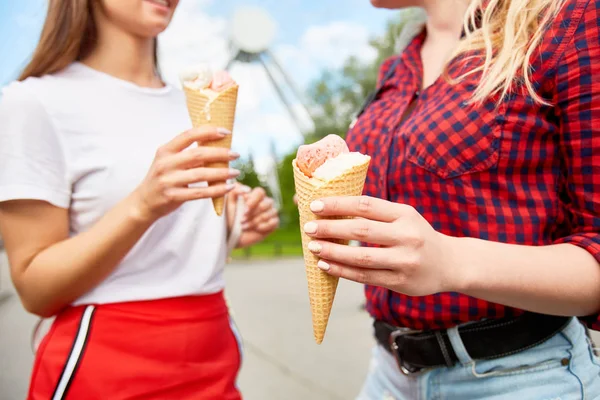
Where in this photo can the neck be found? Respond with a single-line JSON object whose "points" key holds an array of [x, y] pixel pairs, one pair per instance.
{"points": [[445, 19], [444, 28], [124, 56]]}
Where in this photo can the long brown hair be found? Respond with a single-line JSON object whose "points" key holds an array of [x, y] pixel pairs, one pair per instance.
{"points": [[69, 34]]}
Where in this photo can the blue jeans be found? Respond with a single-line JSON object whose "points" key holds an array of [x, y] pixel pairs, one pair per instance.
{"points": [[562, 368]]}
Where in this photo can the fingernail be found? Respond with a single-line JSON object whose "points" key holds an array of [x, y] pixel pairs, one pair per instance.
{"points": [[315, 247], [234, 173], [246, 189], [310, 227], [234, 155], [230, 186], [245, 226], [323, 265], [224, 131], [317, 206]]}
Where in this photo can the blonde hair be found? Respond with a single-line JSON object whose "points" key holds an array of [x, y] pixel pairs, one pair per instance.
{"points": [[507, 33]]}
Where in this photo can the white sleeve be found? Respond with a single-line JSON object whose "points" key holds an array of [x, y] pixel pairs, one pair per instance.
{"points": [[32, 158]]}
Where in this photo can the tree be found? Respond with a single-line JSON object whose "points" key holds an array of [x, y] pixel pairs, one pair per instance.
{"points": [[248, 175], [289, 211], [337, 96]]}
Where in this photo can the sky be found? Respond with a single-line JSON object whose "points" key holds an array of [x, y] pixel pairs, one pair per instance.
{"points": [[311, 35]]}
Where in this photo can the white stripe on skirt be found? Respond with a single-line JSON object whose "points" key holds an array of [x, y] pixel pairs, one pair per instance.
{"points": [[238, 338], [75, 355]]}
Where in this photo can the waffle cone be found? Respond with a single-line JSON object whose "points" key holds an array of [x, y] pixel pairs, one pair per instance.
{"points": [[321, 286], [220, 112]]}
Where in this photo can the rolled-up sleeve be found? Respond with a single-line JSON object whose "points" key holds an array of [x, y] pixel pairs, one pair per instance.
{"points": [[578, 102]]}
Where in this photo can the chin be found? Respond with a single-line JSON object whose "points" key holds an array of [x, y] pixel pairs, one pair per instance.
{"points": [[154, 28]]}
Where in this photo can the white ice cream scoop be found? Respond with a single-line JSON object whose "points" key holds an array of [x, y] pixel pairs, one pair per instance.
{"points": [[197, 77]]}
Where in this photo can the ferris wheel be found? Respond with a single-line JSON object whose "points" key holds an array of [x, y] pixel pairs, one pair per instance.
{"points": [[252, 34]]}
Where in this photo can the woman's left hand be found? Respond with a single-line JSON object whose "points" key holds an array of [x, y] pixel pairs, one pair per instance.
{"points": [[261, 217], [412, 258]]}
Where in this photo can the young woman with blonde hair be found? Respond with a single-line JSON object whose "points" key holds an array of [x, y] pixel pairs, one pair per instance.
{"points": [[481, 222], [107, 218]]}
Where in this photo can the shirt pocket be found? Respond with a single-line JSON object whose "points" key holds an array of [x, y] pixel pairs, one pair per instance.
{"points": [[451, 138]]}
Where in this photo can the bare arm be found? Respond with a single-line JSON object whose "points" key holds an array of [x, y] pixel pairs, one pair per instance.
{"points": [[559, 279], [50, 270]]}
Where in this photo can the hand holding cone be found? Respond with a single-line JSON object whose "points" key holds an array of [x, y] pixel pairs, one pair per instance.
{"points": [[345, 178], [211, 101]]}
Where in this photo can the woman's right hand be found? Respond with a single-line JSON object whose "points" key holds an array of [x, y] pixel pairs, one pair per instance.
{"points": [[175, 167]]}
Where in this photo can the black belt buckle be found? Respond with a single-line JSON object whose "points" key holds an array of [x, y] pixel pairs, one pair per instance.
{"points": [[404, 368]]}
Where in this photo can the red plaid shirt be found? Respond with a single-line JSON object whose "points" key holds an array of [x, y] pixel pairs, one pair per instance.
{"points": [[524, 173]]}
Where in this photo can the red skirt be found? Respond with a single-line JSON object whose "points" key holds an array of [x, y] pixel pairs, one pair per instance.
{"points": [[180, 348]]}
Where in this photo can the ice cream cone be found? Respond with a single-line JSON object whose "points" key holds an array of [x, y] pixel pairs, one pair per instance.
{"points": [[218, 112], [321, 286]]}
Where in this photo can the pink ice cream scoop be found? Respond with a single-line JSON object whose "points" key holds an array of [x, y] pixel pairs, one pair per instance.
{"points": [[221, 80], [312, 156]]}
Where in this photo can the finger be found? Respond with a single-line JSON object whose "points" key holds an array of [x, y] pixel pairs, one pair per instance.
{"points": [[375, 277], [361, 257], [259, 219], [267, 215], [201, 135], [196, 157], [254, 198], [195, 175], [359, 206], [241, 189], [250, 238], [362, 230], [269, 226], [180, 194], [264, 206]]}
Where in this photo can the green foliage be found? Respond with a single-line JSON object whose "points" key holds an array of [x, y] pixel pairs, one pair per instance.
{"points": [[248, 175], [338, 95], [289, 211]]}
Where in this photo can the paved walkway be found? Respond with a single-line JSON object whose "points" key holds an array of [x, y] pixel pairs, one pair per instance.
{"points": [[270, 305]]}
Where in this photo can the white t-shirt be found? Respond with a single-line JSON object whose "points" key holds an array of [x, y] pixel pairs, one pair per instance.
{"points": [[83, 140]]}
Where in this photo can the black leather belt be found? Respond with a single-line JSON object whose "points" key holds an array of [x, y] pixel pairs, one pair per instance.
{"points": [[418, 350]]}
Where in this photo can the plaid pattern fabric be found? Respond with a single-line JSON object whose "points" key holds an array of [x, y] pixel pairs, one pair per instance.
{"points": [[520, 173]]}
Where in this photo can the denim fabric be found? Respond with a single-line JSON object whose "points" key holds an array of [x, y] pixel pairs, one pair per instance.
{"points": [[564, 367]]}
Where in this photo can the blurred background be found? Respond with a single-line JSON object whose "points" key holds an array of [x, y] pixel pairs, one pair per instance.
{"points": [[304, 69]]}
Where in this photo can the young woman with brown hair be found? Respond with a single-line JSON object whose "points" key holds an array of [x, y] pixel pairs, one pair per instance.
{"points": [[107, 218]]}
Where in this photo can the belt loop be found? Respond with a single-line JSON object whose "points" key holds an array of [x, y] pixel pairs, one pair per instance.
{"points": [[440, 339], [458, 346]]}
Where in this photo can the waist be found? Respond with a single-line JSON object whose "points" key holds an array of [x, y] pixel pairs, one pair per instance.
{"points": [[171, 309], [439, 311], [484, 340], [156, 283]]}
